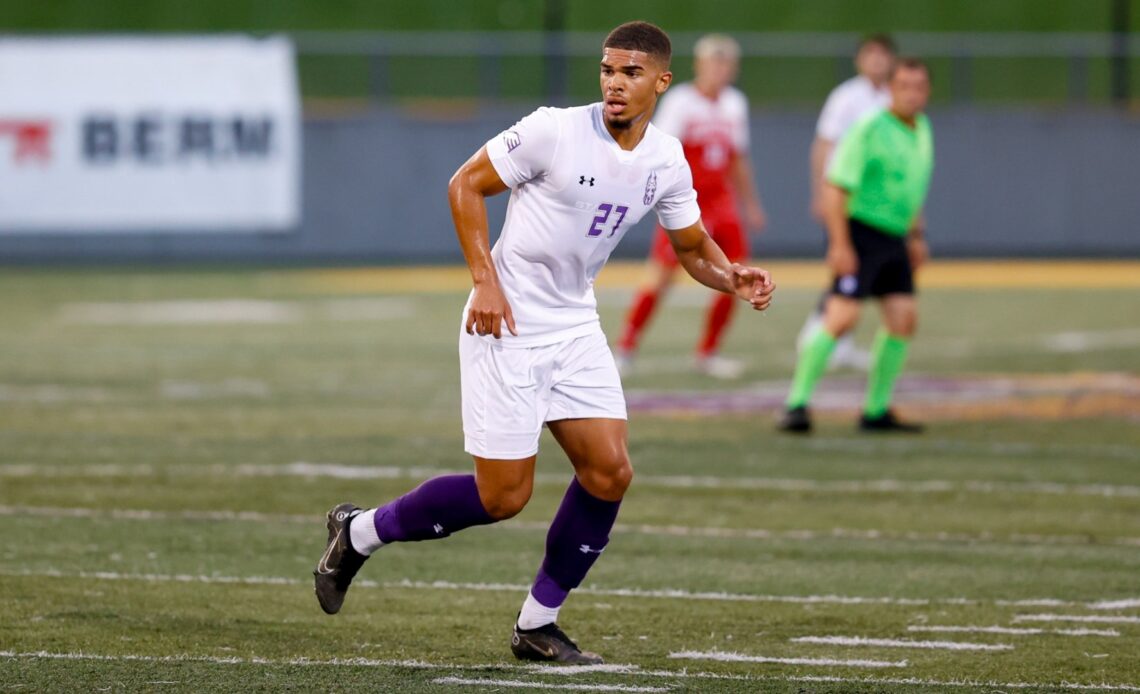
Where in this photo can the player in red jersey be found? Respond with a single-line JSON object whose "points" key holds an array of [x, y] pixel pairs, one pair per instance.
{"points": [[710, 118]]}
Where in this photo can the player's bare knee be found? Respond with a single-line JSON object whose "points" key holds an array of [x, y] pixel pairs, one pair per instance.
{"points": [[609, 481], [505, 500], [903, 322], [506, 503], [622, 478], [839, 324], [906, 328]]}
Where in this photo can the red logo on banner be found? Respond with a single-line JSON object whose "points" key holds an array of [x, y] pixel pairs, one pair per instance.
{"points": [[32, 139]]}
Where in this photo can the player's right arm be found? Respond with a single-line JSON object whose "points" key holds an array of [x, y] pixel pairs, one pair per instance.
{"points": [[508, 160], [467, 192], [844, 175], [841, 256], [828, 130], [821, 149]]}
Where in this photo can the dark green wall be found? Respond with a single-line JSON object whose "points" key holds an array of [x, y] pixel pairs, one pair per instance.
{"points": [[587, 15]]}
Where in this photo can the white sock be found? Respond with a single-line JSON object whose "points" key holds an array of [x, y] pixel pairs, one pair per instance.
{"points": [[534, 614], [362, 533]]}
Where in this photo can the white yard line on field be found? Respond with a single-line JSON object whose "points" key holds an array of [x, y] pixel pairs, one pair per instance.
{"points": [[632, 670], [978, 685], [1097, 619], [1011, 630], [795, 535], [902, 643], [668, 593], [744, 658], [552, 670], [366, 472], [1115, 604], [531, 684]]}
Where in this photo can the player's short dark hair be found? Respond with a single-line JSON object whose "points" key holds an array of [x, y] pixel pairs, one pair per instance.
{"points": [[910, 63], [884, 41], [641, 36]]}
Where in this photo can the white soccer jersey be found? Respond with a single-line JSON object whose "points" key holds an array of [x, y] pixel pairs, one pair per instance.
{"points": [[574, 194], [700, 122], [847, 103]]}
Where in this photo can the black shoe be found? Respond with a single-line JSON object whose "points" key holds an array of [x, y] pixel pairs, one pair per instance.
{"points": [[548, 643], [887, 422], [340, 561], [797, 420]]}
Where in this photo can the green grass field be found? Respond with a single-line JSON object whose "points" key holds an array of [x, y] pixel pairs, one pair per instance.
{"points": [[170, 440]]}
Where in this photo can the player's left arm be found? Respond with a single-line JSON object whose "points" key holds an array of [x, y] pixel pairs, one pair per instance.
{"points": [[916, 247], [706, 263], [745, 184]]}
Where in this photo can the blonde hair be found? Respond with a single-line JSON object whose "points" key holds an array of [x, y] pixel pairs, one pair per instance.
{"points": [[717, 46]]}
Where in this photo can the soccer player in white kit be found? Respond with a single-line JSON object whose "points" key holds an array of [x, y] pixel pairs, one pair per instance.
{"points": [[865, 93], [531, 346]]}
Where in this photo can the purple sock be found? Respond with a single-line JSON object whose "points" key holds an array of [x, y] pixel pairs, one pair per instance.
{"points": [[577, 536], [435, 509]]}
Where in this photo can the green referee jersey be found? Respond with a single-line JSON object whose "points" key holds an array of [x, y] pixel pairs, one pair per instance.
{"points": [[885, 165]]}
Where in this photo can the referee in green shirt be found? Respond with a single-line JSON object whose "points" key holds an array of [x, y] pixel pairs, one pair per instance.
{"points": [[876, 186]]}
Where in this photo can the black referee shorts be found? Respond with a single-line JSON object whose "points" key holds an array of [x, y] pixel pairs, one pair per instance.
{"points": [[884, 266]]}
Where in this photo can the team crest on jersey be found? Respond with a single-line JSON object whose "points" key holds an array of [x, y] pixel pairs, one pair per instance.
{"points": [[512, 140], [650, 189]]}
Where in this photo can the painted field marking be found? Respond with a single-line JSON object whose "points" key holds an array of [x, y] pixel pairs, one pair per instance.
{"points": [[668, 593], [538, 669], [978, 685], [863, 535], [1012, 630], [523, 684], [632, 670], [743, 658], [903, 643], [1115, 604], [1099, 619], [366, 472]]}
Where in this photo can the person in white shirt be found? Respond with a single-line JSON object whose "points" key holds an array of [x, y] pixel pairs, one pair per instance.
{"points": [[531, 347], [865, 93], [710, 118]]}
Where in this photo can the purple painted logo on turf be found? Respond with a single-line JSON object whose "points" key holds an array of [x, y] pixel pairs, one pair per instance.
{"points": [[650, 189], [512, 140]]}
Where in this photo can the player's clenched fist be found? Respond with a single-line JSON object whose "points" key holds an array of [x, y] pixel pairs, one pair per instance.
{"points": [[489, 310], [754, 285]]}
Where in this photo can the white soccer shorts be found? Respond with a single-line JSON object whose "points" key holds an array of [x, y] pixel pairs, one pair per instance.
{"points": [[509, 393]]}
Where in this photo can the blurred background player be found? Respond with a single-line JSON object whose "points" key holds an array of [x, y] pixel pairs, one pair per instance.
{"points": [[710, 118], [862, 94], [872, 203]]}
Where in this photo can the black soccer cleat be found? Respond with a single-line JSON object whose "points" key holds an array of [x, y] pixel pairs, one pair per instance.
{"points": [[340, 562], [888, 423], [797, 420], [548, 643]]}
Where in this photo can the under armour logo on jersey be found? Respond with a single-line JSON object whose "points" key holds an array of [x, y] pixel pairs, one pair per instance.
{"points": [[587, 549], [650, 189], [511, 139], [582, 180], [437, 528]]}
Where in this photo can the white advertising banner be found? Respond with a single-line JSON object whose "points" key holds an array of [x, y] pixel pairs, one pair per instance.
{"points": [[148, 134]]}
